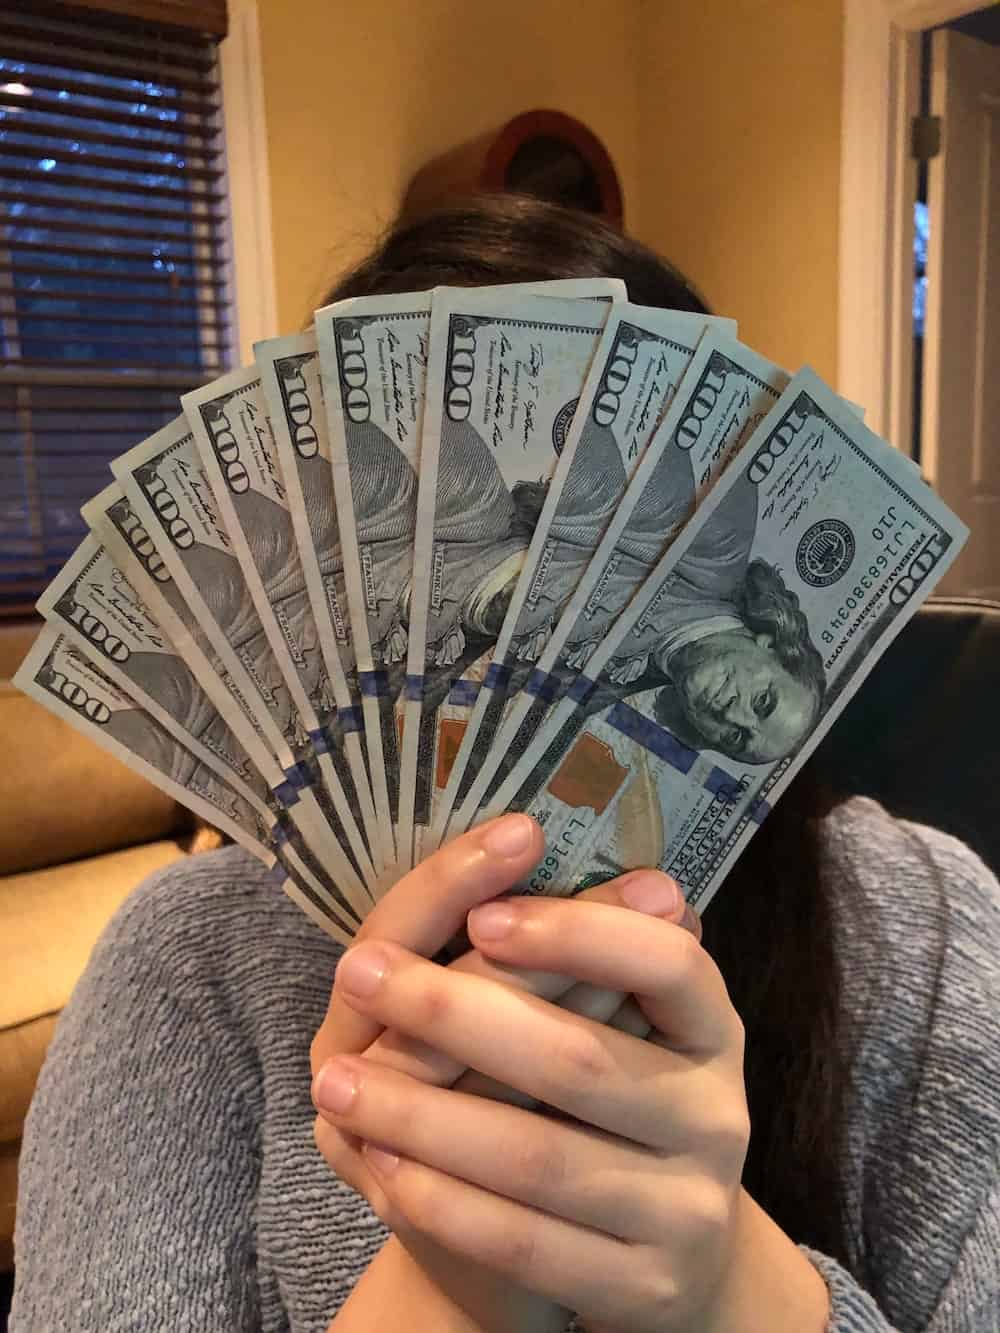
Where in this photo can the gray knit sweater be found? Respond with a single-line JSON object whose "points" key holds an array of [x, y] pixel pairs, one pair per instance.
{"points": [[169, 1179]]}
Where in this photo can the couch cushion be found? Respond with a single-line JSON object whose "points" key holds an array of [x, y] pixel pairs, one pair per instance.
{"points": [[62, 796], [16, 637], [49, 922]]}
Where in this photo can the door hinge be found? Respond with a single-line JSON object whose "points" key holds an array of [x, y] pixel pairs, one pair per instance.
{"points": [[925, 137]]}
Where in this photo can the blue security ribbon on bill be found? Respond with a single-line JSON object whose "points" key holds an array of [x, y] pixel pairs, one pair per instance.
{"points": [[351, 718], [296, 778], [464, 693], [287, 793], [374, 684], [580, 690], [665, 745], [497, 676], [630, 722], [723, 784], [543, 685]]}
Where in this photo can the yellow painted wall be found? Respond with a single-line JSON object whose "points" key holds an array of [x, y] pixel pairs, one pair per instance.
{"points": [[358, 96], [740, 150], [723, 117]]}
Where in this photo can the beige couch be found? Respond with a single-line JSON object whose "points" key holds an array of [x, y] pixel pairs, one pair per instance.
{"points": [[78, 831]]}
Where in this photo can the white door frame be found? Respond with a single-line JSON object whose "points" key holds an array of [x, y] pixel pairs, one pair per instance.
{"points": [[248, 181], [880, 93]]}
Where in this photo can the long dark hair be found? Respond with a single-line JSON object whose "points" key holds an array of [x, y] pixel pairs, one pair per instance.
{"points": [[770, 929], [768, 607]]}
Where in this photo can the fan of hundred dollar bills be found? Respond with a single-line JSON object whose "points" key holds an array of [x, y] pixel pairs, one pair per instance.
{"points": [[456, 552]]}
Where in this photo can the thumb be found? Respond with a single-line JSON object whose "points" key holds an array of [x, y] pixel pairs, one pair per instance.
{"points": [[650, 891]]}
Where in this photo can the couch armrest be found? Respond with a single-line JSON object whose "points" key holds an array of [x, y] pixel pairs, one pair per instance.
{"points": [[62, 797]]}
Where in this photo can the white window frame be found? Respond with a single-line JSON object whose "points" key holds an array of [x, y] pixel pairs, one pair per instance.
{"points": [[881, 85], [255, 306]]}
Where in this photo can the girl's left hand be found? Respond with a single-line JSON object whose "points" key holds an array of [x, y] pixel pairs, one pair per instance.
{"points": [[628, 1209]]}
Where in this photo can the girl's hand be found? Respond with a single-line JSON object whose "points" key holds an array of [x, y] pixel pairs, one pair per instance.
{"points": [[630, 1210], [423, 912]]}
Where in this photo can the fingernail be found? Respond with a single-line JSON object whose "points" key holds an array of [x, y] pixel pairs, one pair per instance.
{"points": [[509, 836], [651, 892], [492, 921], [362, 970], [383, 1162], [335, 1088]]}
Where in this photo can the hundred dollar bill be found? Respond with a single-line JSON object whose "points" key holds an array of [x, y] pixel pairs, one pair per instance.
{"points": [[64, 680], [504, 377], [115, 526], [737, 654], [290, 375], [373, 358], [725, 392], [171, 496], [642, 356], [97, 609], [229, 421]]}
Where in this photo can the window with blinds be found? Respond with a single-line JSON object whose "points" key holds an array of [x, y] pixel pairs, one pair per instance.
{"points": [[114, 284]]}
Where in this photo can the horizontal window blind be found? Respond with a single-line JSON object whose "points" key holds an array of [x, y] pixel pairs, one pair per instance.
{"points": [[208, 16], [114, 260]]}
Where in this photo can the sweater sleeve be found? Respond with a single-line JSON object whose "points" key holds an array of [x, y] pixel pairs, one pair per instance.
{"points": [[969, 1303], [929, 1127], [136, 1203]]}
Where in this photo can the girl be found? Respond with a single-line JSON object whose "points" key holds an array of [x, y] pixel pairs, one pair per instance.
{"points": [[790, 1121]]}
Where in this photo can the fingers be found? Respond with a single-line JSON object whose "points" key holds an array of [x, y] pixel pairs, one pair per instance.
{"points": [[567, 1169], [678, 986], [630, 1018], [600, 1076], [647, 891], [409, 1055], [427, 908], [593, 1224], [571, 1171], [602, 1006], [588, 1000], [570, 1265], [652, 892]]}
